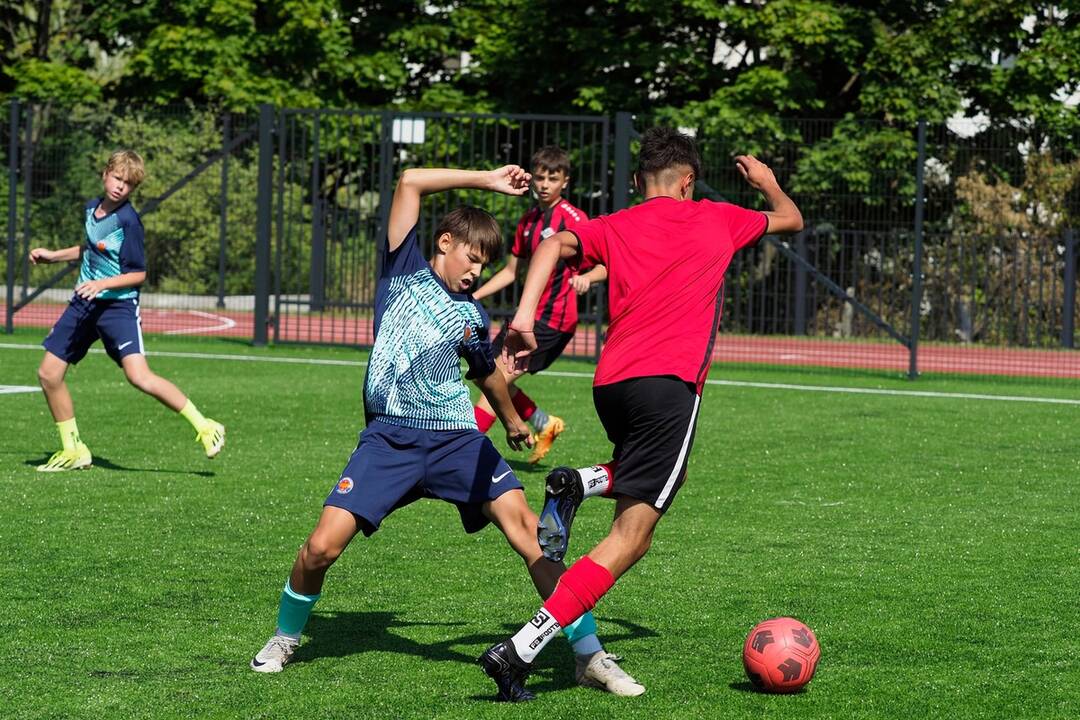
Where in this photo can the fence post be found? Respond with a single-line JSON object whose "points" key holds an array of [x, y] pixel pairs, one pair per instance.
{"points": [[800, 285], [28, 189], [624, 125], [262, 222], [1068, 314], [317, 272], [13, 200], [386, 183], [917, 273], [222, 227]]}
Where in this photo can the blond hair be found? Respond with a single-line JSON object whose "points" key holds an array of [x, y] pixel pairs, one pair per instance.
{"points": [[128, 164]]}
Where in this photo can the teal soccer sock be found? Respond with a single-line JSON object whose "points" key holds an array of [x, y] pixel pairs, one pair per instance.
{"points": [[581, 634], [293, 612]]}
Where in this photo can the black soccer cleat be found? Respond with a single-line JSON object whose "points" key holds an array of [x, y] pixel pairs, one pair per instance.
{"points": [[502, 664], [562, 495]]}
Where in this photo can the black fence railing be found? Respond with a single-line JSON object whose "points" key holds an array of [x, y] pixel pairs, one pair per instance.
{"points": [[276, 238]]}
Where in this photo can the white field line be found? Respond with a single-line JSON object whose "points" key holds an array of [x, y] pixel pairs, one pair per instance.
{"points": [[12, 389], [224, 323], [588, 376]]}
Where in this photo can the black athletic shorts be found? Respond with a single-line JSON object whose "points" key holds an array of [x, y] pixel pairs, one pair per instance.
{"points": [[549, 345], [651, 421]]}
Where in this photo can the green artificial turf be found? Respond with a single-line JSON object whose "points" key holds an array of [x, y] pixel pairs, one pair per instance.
{"points": [[930, 542]]}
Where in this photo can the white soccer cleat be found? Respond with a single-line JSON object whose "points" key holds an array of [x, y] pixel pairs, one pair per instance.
{"points": [[601, 670], [274, 655]]}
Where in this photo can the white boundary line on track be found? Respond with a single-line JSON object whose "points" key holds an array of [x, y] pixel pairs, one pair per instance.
{"points": [[556, 373], [224, 323]]}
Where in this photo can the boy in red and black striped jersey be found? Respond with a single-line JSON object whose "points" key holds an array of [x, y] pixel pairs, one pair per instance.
{"points": [[667, 257], [556, 313]]}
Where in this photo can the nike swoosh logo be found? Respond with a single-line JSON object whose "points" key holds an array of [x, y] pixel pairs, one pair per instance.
{"points": [[498, 479], [121, 347]]}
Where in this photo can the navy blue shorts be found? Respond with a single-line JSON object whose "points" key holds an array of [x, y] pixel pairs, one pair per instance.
{"points": [[116, 322], [393, 466]]}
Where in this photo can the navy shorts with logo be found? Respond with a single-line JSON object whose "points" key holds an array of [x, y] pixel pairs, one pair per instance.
{"points": [[393, 466], [116, 322]]}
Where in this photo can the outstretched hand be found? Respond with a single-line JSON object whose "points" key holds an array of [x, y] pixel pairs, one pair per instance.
{"points": [[509, 180], [755, 172], [518, 345]]}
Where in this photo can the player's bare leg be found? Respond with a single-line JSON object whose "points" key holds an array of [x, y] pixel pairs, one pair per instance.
{"points": [[511, 514], [51, 375], [210, 433], [509, 662], [595, 667], [630, 537], [332, 534], [73, 455]]}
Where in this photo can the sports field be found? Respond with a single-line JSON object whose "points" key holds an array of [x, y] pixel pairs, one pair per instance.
{"points": [[931, 541]]}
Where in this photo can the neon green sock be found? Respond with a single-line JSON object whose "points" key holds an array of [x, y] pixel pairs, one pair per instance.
{"points": [[193, 416], [69, 433]]}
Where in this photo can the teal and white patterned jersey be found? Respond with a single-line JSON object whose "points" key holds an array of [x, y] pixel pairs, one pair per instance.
{"points": [[114, 246], [422, 330]]}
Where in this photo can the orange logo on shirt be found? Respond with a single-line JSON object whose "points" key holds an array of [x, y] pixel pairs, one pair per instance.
{"points": [[344, 485], [101, 246]]}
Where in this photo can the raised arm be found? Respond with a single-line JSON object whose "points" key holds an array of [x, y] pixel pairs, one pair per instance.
{"points": [[415, 183], [783, 215], [520, 341]]}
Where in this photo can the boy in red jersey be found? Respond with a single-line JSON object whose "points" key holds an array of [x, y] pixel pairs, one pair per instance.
{"points": [[666, 258], [556, 313]]}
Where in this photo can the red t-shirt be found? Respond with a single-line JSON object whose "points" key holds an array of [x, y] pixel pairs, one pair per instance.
{"points": [[666, 261], [558, 305]]}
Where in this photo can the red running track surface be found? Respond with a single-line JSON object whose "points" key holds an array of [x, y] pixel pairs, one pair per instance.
{"points": [[353, 330]]}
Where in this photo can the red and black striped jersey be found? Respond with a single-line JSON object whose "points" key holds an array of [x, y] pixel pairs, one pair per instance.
{"points": [[558, 304]]}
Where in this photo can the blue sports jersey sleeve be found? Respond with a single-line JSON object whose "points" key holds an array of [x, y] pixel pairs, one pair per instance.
{"points": [[133, 251], [406, 260], [476, 347]]}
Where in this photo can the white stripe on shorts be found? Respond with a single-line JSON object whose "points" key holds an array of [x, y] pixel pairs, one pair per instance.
{"points": [[682, 457], [138, 324]]}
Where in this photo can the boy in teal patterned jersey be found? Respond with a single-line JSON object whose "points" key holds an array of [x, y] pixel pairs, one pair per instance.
{"points": [[106, 306], [421, 438]]}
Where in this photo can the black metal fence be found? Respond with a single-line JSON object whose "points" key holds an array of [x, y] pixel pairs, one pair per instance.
{"points": [[264, 226]]}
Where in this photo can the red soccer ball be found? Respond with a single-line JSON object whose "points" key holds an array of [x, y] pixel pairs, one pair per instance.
{"points": [[780, 655]]}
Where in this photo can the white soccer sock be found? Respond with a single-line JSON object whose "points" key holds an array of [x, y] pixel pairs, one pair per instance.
{"points": [[595, 480], [531, 639]]}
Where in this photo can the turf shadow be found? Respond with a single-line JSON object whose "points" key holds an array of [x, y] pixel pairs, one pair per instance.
{"points": [[748, 687], [342, 634], [106, 464]]}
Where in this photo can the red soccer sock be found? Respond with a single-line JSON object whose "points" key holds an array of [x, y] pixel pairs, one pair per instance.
{"points": [[524, 405], [578, 591], [484, 419]]}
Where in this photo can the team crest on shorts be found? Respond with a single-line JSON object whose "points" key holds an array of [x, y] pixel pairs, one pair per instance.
{"points": [[344, 486]]}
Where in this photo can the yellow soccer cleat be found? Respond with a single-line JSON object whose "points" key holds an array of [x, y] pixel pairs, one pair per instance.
{"points": [[64, 460], [212, 437], [545, 438]]}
